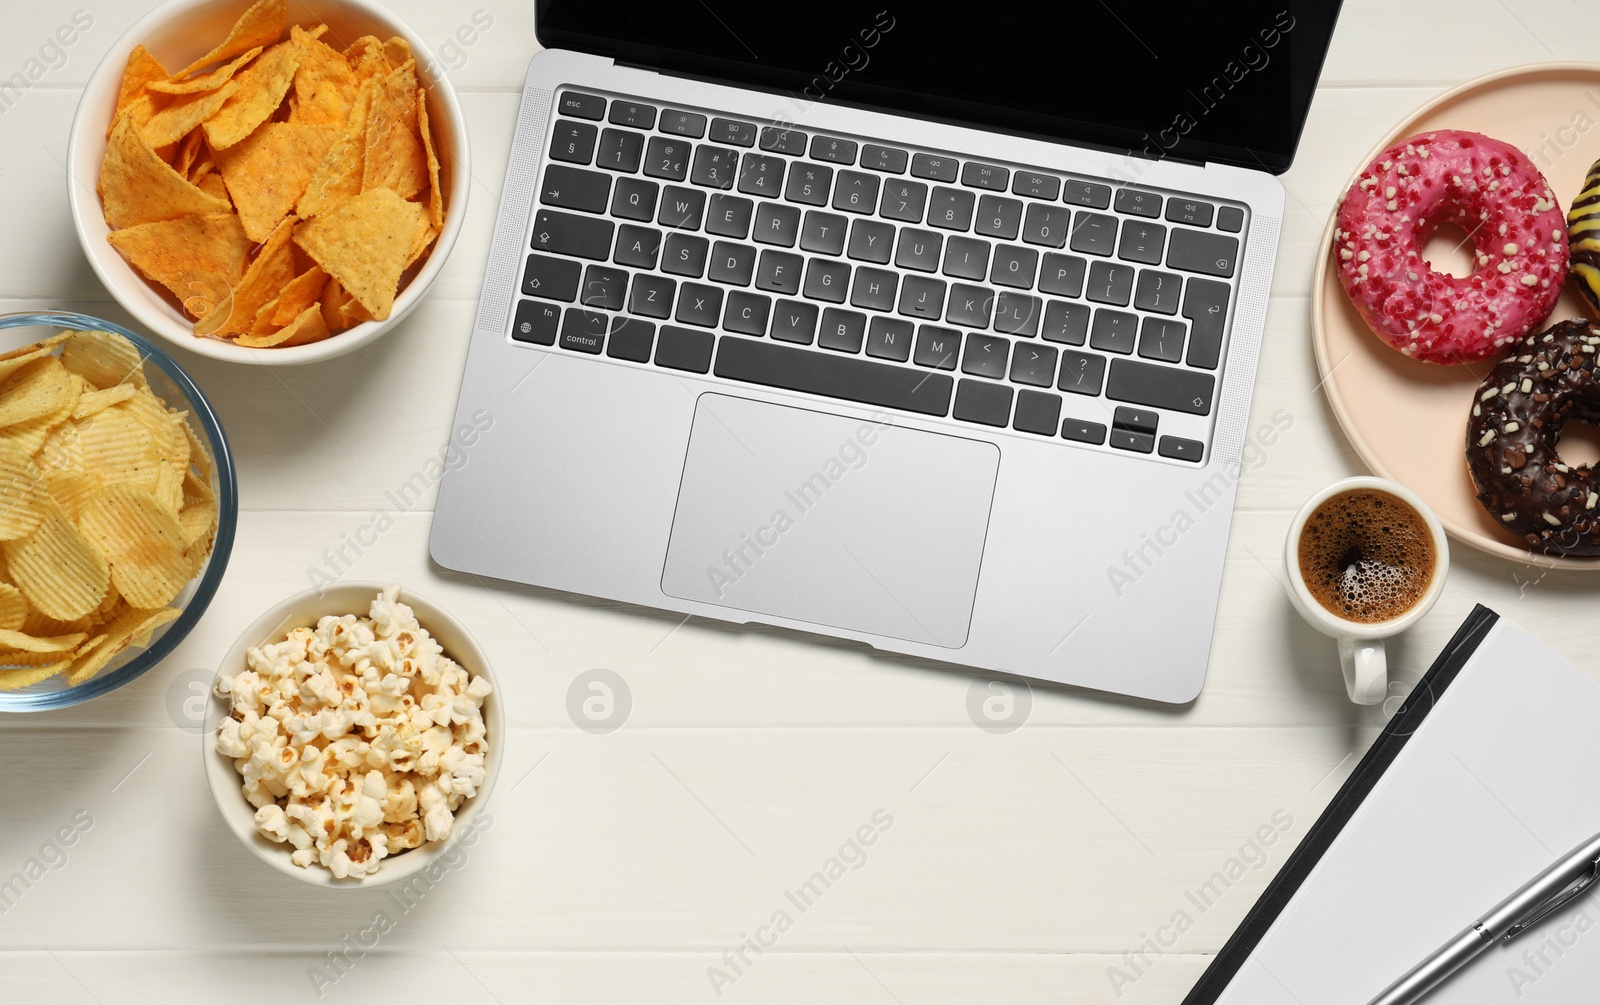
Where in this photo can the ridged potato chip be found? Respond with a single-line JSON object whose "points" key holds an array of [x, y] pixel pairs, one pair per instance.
{"points": [[103, 359], [57, 568], [13, 680], [93, 401], [23, 493], [30, 435], [119, 449], [142, 539], [34, 644], [13, 607], [132, 623], [39, 388]]}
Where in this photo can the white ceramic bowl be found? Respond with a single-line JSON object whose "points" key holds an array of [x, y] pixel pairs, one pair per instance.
{"points": [[180, 31], [227, 787]]}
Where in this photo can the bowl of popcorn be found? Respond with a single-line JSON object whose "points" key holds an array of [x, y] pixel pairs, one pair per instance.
{"points": [[353, 731]]}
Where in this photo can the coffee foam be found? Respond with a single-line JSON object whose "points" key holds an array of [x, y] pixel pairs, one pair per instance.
{"points": [[1366, 556]]}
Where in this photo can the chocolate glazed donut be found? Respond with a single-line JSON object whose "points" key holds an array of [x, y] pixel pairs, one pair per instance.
{"points": [[1514, 430]]}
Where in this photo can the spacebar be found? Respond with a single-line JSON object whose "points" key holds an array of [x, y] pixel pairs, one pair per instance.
{"points": [[816, 372]]}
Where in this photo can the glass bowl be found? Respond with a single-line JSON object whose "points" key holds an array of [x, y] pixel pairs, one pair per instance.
{"points": [[169, 382]]}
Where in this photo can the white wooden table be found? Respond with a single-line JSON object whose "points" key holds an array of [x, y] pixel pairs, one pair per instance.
{"points": [[1019, 866]]}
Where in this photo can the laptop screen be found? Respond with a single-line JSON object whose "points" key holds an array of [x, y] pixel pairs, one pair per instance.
{"points": [[1228, 82]]}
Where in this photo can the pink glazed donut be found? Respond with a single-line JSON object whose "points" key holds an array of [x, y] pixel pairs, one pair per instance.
{"points": [[1488, 189]]}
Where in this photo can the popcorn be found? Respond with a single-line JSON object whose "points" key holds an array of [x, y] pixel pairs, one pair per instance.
{"points": [[355, 740]]}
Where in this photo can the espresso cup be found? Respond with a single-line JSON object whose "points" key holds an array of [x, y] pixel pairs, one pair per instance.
{"points": [[1394, 594]]}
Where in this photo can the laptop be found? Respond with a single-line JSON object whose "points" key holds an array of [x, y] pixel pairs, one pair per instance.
{"points": [[928, 326]]}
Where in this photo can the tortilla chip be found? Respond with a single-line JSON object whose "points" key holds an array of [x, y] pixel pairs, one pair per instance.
{"points": [[269, 273], [260, 90], [338, 177], [175, 120], [204, 162], [393, 158], [340, 310], [425, 237], [324, 86], [365, 243], [184, 158], [198, 258], [142, 69], [304, 291], [263, 324], [267, 172], [139, 113], [397, 51], [261, 25], [366, 59], [213, 186], [435, 195], [207, 82], [137, 186], [308, 327]]}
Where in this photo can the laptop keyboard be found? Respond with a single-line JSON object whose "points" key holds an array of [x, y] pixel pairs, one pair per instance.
{"points": [[1061, 307]]}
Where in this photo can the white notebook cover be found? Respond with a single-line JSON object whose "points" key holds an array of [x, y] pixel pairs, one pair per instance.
{"points": [[1500, 778]]}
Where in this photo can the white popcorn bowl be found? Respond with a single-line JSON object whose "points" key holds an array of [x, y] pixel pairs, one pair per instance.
{"points": [[227, 786]]}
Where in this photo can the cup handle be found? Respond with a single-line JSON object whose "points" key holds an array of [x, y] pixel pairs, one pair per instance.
{"points": [[1366, 671]]}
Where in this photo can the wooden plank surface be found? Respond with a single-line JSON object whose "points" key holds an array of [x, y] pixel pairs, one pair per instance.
{"points": [[1030, 866]]}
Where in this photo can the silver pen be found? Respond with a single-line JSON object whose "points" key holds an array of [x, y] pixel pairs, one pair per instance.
{"points": [[1540, 897]]}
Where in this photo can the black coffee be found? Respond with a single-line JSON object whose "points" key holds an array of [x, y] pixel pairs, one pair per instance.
{"points": [[1366, 556]]}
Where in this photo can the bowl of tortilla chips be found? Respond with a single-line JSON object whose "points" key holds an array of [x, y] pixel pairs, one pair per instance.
{"points": [[268, 182]]}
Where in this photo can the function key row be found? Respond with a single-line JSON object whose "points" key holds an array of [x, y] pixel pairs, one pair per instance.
{"points": [[572, 138]]}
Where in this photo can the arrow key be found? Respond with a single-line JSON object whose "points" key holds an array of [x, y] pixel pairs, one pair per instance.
{"points": [[1036, 365]]}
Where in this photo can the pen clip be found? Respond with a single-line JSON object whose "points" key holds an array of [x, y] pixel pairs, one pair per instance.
{"points": [[1562, 898]]}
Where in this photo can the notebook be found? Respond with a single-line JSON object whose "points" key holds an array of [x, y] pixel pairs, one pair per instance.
{"points": [[1489, 772]]}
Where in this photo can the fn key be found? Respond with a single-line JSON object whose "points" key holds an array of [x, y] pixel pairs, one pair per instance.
{"points": [[536, 322]]}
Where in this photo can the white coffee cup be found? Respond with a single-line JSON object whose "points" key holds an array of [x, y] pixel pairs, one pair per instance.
{"points": [[1361, 650]]}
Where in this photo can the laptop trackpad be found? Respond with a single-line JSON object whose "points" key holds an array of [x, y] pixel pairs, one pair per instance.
{"points": [[856, 525]]}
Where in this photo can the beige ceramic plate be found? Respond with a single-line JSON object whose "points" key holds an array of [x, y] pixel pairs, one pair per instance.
{"points": [[1407, 419]]}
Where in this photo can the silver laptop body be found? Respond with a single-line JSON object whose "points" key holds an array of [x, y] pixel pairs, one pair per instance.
{"points": [[956, 541]]}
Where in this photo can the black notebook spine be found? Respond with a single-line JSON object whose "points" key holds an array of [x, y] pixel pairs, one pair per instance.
{"points": [[1345, 802]]}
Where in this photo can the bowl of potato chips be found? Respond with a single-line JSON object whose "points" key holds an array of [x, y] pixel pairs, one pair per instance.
{"points": [[265, 182], [118, 505]]}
